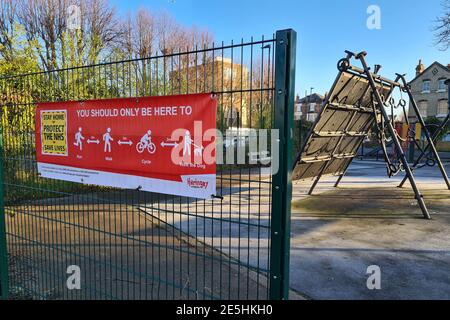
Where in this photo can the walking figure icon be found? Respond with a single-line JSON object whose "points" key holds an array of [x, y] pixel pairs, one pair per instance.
{"points": [[107, 138]]}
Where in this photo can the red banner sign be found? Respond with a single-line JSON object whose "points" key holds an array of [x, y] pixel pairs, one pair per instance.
{"points": [[158, 144]]}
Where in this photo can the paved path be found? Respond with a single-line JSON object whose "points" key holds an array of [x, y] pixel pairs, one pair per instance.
{"points": [[337, 234]]}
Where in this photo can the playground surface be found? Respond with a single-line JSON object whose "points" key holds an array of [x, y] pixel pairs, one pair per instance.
{"points": [[337, 233]]}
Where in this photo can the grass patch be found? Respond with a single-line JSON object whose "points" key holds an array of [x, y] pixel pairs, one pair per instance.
{"points": [[370, 202], [443, 146]]}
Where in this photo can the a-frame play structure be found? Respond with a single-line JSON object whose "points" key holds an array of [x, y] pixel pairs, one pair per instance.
{"points": [[359, 101]]}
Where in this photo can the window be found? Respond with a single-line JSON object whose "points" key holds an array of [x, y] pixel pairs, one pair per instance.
{"points": [[441, 85], [442, 108], [227, 73], [426, 86], [423, 108], [298, 110], [312, 107], [311, 117]]}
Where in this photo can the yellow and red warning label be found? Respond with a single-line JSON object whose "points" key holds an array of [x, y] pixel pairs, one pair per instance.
{"points": [[53, 132]]}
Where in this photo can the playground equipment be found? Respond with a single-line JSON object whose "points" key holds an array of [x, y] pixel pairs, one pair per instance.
{"points": [[359, 101], [425, 153]]}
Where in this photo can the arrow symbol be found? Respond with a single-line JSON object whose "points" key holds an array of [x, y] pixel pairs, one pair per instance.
{"points": [[125, 142], [93, 141], [167, 144]]}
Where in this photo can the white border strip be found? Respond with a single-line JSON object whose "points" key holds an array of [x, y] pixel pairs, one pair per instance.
{"points": [[109, 179]]}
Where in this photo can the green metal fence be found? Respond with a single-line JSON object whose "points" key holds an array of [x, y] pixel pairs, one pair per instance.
{"points": [[138, 245]]}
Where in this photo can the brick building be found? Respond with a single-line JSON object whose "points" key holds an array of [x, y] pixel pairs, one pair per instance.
{"points": [[429, 90], [217, 75], [308, 108]]}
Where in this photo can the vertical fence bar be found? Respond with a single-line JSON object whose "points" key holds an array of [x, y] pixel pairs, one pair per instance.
{"points": [[282, 180], [4, 289]]}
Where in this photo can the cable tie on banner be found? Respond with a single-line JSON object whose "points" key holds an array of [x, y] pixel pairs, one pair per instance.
{"points": [[216, 197], [139, 188]]}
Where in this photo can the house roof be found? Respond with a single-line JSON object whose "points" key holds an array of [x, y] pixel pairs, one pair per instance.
{"points": [[429, 67], [313, 98]]}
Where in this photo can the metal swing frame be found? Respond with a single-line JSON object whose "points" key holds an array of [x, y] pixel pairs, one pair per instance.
{"points": [[349, 111]]}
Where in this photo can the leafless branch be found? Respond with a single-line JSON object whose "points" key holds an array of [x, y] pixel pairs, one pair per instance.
{"points": [[442, 27]]}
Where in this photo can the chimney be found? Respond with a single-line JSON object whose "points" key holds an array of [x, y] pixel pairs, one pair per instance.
{"points": [[420, 68]]}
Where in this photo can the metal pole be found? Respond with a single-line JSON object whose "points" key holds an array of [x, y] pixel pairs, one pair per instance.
{"points": [[425, 130], [344, 172], [435, 135], [300, 138], [412, 148], [391, 129], [317, 179], [286, 41], [4, 288]]}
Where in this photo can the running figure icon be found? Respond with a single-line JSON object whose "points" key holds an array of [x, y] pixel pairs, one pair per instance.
{"points": [[107, 138], [78, 139], [146, 143]]}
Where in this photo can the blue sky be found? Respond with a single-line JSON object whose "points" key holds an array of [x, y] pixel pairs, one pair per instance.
{"points": [[325, 29]]}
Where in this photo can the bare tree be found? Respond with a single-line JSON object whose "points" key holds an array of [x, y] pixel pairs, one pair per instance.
{"points": [[44, 23], [170, 35], [145, 33], [101, 32], [442, 27], [8, 10], [101, 27], [139, 34]]}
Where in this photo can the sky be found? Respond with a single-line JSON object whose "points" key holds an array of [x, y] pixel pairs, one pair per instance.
{"points": [[325, 29]]}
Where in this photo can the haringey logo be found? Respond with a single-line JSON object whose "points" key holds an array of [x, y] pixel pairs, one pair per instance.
{"points": [[197, 184]]}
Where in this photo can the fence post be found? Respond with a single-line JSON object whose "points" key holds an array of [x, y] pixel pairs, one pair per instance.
{"points": [[285, 54], [4, 289]]}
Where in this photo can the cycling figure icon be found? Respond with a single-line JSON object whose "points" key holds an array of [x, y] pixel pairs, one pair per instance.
{"points": [[146, 143]]}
